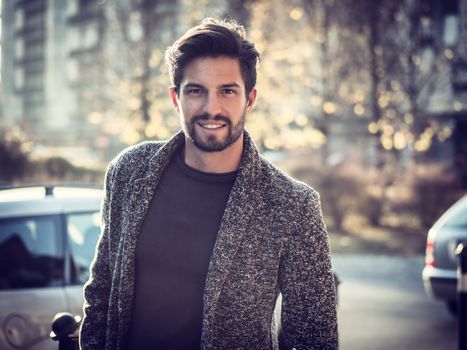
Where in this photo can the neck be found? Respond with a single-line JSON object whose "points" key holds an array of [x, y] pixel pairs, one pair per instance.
{"points": [[224, 161]]}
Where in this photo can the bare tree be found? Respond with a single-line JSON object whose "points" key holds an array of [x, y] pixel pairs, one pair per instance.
{"points": [[136, 36], [414, 72]]}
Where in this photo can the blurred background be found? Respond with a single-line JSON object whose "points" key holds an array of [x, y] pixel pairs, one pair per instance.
{"points": [[364, 100]]}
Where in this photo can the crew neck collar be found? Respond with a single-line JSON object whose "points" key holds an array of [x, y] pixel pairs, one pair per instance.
{"points": [[201, 175]]}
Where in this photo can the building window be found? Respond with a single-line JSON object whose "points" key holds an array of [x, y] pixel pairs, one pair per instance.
{"points": [[36, 34], [35, 51], [72, 70], [35, 20], [19, 48], [19, 19], [90, 35], [33, 98], [34, 82], [450, 22], [451, 30], [35, 66], [34, 5], [88, 6], [72, 7], [72, 38], [135, 30], [84, 36], [34, 114], [19, 78]]}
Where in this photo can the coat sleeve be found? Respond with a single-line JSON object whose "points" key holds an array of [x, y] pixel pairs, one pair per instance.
{"points": [[306, 281], [97, 288]]}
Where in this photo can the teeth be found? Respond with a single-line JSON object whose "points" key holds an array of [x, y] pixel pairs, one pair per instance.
{"points": [[211, 126]]}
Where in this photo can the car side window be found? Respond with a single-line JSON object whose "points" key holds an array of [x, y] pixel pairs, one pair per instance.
{"points": [[83, 232], [30, 254]]}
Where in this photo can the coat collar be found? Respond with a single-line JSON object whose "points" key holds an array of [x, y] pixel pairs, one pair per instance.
{"points": [[146, 181]]}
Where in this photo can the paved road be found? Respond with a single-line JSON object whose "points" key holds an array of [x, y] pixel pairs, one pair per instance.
{"points": [[382, 306]]}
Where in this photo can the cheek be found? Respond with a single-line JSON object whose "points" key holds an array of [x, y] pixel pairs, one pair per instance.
{"points": [[239, 107], [190, 107], [235, 104]]}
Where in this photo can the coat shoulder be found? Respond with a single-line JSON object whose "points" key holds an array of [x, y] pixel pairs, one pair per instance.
{"points": [[134, 157], [285, 187]]}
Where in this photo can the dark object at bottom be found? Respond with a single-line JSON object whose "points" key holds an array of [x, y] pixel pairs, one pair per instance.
{"points": [[461, 252], [337, 281], [65, 330]]}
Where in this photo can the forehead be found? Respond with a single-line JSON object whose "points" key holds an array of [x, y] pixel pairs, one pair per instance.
{"points": [[215, 71]]}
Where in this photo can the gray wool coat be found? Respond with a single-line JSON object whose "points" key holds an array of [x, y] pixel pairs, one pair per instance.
{"points": [[272, 240]]}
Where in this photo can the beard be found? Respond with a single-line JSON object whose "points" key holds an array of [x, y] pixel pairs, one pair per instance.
{"points": [[211, 143]]}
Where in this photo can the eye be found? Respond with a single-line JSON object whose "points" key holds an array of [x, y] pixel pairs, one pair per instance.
{"points": [[228, 91], [194, 91]]}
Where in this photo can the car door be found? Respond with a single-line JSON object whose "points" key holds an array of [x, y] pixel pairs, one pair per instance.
{"points": [[82, 234], [31, 280]]}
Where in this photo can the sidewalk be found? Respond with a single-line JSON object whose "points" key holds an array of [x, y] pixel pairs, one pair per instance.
{"points": [[373, 240]]}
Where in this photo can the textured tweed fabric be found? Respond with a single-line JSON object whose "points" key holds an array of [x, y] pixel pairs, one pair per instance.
{"points": [[272, 240]]}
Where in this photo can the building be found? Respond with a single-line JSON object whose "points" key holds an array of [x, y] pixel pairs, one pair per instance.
{"points": [[45, 42]]}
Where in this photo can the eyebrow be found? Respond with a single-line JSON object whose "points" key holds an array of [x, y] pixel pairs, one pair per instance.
{"points": [[230, 85], [193, 85], [223, 86]]}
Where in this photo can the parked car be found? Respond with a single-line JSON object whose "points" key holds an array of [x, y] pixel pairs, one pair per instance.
{"points": [[47, 241], [440, 272]]}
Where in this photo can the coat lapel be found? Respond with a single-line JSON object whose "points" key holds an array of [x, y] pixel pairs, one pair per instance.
{"points": [[238, 213], [143, 183]]}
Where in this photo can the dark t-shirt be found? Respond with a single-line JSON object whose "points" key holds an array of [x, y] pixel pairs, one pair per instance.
{"points": [[172, 257]]}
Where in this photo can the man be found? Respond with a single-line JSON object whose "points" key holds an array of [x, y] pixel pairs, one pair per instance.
{"points": [[201, 234]]}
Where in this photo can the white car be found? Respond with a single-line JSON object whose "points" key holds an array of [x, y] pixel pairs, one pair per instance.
{"points": [[47, 242], [440, 272]]}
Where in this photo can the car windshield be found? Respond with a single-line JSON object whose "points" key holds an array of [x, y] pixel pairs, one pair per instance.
{"points": [[457, 217]]}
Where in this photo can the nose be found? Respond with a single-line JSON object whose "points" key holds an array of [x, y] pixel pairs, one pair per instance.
{"points": [[212, 105]]}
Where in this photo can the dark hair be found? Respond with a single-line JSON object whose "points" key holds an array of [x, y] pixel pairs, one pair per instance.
{"points": [[213, 38]]}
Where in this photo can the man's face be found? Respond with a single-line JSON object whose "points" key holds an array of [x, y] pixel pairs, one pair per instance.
{"points": [[212, 102]]}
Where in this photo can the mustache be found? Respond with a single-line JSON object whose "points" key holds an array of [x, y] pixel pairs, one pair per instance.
{"points": [[207, 116]]}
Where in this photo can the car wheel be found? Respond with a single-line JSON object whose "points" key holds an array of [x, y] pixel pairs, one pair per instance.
{"points": [[452, 307]]}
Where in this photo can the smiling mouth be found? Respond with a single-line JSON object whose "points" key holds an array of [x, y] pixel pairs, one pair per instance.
{"points": [[211, 126]]}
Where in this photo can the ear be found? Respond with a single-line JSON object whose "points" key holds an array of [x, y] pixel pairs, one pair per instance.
{"points": [[174, 98], [251, 100]]}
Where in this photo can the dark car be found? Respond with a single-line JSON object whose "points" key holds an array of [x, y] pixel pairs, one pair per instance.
{"points": [[439, 274]]}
